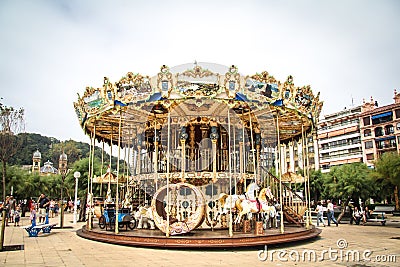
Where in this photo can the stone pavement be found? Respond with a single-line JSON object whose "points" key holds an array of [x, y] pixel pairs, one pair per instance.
{"points": [[62, 247]]}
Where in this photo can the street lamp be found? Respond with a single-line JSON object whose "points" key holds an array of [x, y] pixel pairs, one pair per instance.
{"points": [[62, 166], [76, 175]]}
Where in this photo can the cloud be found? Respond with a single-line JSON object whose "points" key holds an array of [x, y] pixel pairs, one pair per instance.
{"points": [[51, 50]]}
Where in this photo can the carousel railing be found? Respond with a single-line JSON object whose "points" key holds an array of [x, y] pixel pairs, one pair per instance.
{"points": [[195, 160], [294, 205]]}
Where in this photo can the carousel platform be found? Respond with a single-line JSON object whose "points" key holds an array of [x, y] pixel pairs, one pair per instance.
{"points": [[199, 238]]}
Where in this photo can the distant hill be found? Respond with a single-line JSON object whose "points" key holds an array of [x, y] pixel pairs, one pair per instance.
{"points": [[51, 149]]}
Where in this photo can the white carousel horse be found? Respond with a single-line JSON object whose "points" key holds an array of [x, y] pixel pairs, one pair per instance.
{"points": [[144, 216], [248, 206], [269, 217], [89, 207], [108, 196], [127, 202], [269, 194], [228, 202]]}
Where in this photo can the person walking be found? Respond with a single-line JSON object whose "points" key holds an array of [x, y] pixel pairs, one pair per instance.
{"points": [[44, 203], [320, 214], [12, 202], [331, 214]]}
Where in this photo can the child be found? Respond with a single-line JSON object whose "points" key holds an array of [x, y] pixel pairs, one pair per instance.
{"points": [[17, 216], [33, 215]]}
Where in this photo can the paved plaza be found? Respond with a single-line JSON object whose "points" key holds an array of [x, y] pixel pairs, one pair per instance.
{"points": [[339, 246]]}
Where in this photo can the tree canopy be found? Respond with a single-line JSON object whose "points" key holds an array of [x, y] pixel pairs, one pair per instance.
{"points": [[349, 181], [387, 172]]}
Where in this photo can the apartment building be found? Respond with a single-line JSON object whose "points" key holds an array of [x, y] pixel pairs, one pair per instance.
{"points": [[380, 129], [339, 138]]}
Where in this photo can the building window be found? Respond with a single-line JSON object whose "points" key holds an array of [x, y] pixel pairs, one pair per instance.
{"points": [[392, 142], [378, 131], [398, 126], [370, 156], [380, 144], [389, 129], [383, 117], [397, 111], [366, 121], [367, 133], [368, 145], [310, 149], [325, 167]]}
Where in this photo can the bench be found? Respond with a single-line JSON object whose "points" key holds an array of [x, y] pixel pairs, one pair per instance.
{"points": [[33, 230], [378, 217], [385, 209]]}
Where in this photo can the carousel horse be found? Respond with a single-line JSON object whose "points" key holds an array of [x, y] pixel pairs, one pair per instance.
{"points": [[108, 197], [228, 202], [144, 216], [127, 202], [249, 206], [269, 217], [89, 207]]}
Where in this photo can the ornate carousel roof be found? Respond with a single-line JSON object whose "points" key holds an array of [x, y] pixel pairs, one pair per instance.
{"points": [[191, 89]]}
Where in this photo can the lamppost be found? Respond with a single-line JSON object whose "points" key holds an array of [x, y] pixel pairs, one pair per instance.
{"points": [[76, 175], [62, 167]]}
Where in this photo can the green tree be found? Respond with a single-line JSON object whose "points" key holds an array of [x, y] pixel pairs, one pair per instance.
{"points": [[349, 181], [387, 172], [316, 185], [11, 123], [82, 166]]}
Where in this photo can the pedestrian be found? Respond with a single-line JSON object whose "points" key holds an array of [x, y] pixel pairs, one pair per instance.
{"points": [[44, 203], [12, 204], [351, 208], [17, 216], [366, 214], [320, 213], [357, 215], [52, 207], [56, 207], [32, 217], [331, 214], [70, 205]]}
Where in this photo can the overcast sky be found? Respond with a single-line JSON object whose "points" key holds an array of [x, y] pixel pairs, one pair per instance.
{"points": [[51, 50]]}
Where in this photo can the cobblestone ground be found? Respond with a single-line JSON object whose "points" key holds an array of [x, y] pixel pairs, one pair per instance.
{"points": [[375, 245]]}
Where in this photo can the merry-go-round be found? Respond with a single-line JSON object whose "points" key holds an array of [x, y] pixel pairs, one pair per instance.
{"points": [[202, 160]]}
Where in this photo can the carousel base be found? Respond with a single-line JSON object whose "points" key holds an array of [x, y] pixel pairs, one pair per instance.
{"points": [[199, 238]]}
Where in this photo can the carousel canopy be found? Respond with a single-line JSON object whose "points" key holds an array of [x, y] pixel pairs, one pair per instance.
{"points": [[192, 91]]}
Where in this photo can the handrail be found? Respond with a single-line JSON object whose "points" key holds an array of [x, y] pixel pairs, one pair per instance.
{"points": [[285, 186]]}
